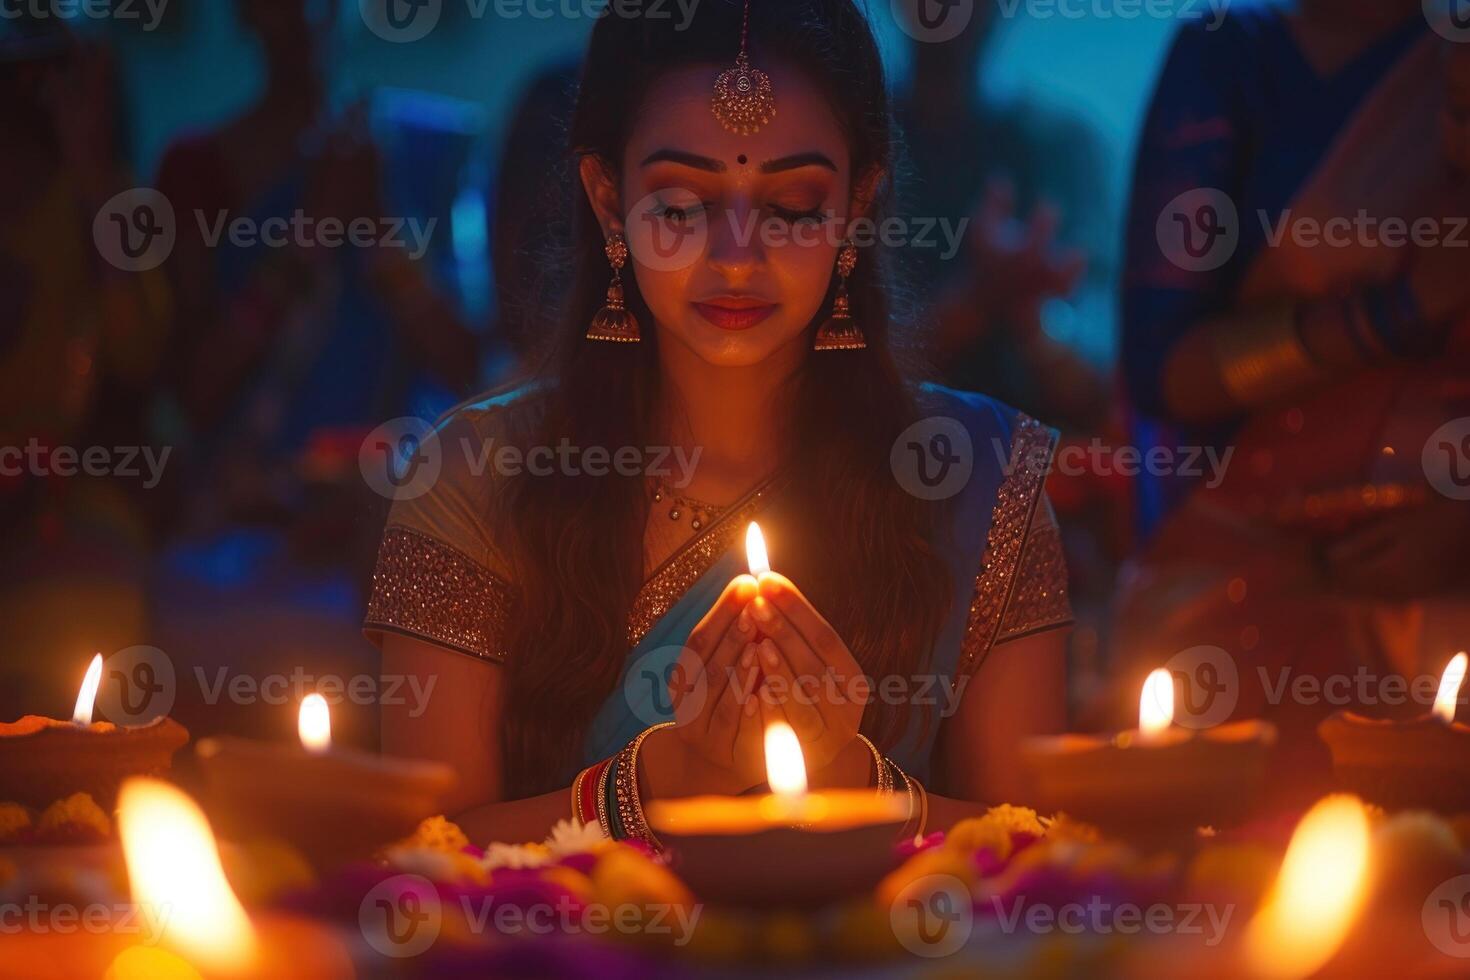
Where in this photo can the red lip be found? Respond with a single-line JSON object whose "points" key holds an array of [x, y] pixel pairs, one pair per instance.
{"points": [[735, 312]]}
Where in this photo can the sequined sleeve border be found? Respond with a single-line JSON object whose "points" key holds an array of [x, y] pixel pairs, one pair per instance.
{"points": [[427, 589], [991, 619]]}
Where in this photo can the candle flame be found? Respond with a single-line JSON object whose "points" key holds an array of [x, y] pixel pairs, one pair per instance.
{"points": [[314, 723], [1317, 894], [87, 696], [755, 550], [785, 766], [1156, 704], [1449, 688], [174, 866]]}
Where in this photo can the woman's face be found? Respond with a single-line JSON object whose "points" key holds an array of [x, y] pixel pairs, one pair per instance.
{"points": [[733, 238]]}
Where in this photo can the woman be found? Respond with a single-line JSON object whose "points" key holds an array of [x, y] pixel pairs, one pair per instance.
{"points": [[1325, 363], [576, 594]]}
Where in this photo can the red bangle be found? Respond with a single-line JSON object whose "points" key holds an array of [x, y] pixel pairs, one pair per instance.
{"points": [[589, 778]]}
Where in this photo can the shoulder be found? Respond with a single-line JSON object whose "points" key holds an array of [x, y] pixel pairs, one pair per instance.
{"points": [[990, 423]]}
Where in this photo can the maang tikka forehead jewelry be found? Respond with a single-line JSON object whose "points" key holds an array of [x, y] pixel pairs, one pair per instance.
{"points": [[743, 101]]}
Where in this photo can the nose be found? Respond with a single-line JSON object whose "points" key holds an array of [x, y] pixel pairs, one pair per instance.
{"points": [[735, 248]]}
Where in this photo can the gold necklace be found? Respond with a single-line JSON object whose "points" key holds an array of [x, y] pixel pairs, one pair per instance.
{"points": [[700, 513]]}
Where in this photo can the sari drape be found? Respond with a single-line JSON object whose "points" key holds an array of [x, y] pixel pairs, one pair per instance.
{"points": [[438, 579]]}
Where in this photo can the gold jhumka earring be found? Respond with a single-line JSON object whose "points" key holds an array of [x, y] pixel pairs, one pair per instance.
{"points": [[840, 331], [743, 101], [615, 323]]}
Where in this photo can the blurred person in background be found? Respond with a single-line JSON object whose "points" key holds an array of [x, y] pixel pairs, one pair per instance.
{"points": [[80, 348], [1325, 367], [285, 357], [1039, 243]]}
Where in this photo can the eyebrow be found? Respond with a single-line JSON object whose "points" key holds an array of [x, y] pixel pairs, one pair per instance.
{"points": [[795, 161]]}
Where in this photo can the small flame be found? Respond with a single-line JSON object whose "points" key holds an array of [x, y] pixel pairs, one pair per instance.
{"points": [[1317, 893], [785, 766], [174, 866], [1449, 688], [314, 723], [755, 550], [1156, 704], [87, 696]]}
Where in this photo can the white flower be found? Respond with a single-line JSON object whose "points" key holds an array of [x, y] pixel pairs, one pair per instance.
{"points": [[574, 837], [517, 857]]}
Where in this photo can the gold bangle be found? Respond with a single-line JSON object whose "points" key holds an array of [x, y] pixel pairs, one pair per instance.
{"points": [[630, 804], [880, 770], [577, 796], [908, 787], [923, 809], [602, 801]]}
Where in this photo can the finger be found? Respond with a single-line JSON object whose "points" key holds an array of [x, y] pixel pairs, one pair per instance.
{"points": [[797, 694], [738, 697], [793, 608], [705, 638]]}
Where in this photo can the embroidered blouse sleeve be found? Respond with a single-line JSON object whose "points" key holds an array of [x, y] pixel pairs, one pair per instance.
{"points": [[1021, 586], [437, 577]]}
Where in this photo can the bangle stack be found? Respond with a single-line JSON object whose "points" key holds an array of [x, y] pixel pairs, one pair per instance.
{"points": [[607, 793], [888, 775]]}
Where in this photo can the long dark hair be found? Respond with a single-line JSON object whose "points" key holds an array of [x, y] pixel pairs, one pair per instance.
{"points": [[852, 539]]}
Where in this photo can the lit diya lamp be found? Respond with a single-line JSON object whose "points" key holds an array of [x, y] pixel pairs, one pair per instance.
{"points": [[332, 803], [1157, 781], [46, 759], [1422, 763], [791, 846]]}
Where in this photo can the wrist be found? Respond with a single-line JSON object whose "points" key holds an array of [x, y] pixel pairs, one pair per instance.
{"points": [[851, 768], [668, 768]]}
